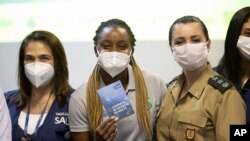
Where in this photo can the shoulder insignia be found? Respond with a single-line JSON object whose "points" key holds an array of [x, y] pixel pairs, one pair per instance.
{"points": [[220, 83], [172, 81]]}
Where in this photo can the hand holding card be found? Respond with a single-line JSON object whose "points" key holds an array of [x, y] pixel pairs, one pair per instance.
{"points": [[115, 100]]}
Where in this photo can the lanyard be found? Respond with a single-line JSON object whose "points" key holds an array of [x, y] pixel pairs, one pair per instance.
{"points": [[39, 120]]}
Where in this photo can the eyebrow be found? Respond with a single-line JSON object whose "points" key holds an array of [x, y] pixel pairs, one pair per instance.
{"points": [[108, 41], [123, 41], [105, 41], [194, 36], [29, 55], [247, 28], [179, 38], [45, 55]]}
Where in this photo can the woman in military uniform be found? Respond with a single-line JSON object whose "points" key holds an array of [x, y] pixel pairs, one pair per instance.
{"points": [[200, 104]]}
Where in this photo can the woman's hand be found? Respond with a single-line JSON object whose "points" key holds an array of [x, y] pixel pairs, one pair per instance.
{"points": [[107, 130]]}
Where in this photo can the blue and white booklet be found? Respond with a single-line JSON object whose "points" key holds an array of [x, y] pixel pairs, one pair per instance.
{"points": [[115, 100]]}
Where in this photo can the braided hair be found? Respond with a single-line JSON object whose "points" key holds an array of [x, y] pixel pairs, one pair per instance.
{"points": [[94, 104]]}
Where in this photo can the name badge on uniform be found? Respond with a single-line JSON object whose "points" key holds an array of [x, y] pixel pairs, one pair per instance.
{"points": [[190, 133]]}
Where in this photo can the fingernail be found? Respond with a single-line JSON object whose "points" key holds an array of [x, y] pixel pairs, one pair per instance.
{"points": [[113, 117], [116, 118]]}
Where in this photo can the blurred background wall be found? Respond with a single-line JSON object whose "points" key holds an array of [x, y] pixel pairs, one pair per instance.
{"points": [[75, 23]]}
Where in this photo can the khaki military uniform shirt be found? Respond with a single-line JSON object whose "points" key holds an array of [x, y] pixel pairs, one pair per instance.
{"points": [[205, 113]]}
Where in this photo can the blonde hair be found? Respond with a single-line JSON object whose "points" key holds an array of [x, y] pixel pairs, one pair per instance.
{"points": [[94, 104]]}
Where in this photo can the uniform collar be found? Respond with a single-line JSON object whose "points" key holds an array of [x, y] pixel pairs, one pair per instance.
{"points": [[176, 87], [198, 86]]}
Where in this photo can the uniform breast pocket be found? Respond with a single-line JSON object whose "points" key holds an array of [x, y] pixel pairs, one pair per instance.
{"points": [[191, 126]]}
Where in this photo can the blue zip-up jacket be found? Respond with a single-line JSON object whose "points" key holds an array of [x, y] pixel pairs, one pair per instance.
{"points": [[245, 93], [54, 128]]}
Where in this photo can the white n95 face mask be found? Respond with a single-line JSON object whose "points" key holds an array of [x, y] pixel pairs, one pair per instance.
{"points": [[113, 62], [191, 56], [39, 73], [244, 46]]}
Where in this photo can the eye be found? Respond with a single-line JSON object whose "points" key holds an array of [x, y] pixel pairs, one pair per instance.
{"points": [[105, 45], [122, 46], [178, 42], [246, 33], [45, 58], [28, 58], [196, 41]]}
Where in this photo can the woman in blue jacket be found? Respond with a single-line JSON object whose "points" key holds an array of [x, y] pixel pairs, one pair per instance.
{"points": [[39, 108]]}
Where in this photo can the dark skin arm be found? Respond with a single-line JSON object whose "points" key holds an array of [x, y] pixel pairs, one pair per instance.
{"points": [[106, 131]]}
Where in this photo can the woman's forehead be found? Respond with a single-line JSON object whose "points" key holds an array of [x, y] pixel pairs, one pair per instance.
{"points": [[114, 33], [112, 29], [38, 46], [187, 29]]}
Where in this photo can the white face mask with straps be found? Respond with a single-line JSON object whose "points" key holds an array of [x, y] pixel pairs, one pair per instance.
{"points": [[39, 73], [243, 45], [113, 62], [191, 56]]}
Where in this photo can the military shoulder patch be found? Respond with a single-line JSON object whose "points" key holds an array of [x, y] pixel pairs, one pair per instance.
{"points": [[220, 83]]}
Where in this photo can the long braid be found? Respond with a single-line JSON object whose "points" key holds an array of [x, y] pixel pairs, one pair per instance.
{"points": [[143, 114], [94, 104]]}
